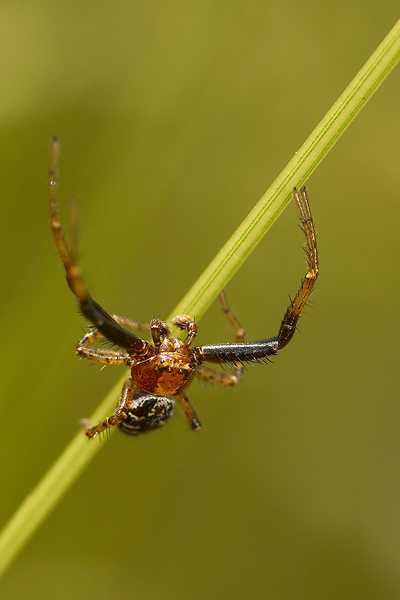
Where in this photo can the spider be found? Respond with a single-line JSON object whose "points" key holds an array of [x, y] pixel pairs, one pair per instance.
{"points": [[160, 372]]}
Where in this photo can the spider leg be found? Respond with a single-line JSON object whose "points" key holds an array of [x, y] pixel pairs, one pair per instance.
{"points": [[217, 377], [124, 404], [294, 311], [189, 411], [239, 336], [253, 351], [108, 357], [186, 324], [89, 307], [132, 324], [232, 353]]}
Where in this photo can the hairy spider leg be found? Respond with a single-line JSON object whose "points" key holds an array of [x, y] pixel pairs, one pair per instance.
{"points": [[217, 377], [132, 324], [185, 323], [89, 307], [124, 404], [100, 355], [238, 330], [110, 357], [289, 323], [189, 411], [253, 351], [107, 357]]}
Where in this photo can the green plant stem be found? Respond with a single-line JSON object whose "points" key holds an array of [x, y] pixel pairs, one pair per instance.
{"points": [[80, 451]]}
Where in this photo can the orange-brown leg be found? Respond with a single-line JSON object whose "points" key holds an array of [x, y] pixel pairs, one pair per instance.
{"points": [[124, 404], [217, 377], [68, 255], [189, 411], [107, 357], [110, 357], [131, 324], [294, 311], [89, 307], [187, 324], [239, 331]]}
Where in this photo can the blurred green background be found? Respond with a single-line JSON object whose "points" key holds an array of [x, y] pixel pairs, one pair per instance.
{"points": [[174, 117]]}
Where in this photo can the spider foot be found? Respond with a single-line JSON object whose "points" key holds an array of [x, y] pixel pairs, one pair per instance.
{"points": [[91, 432], [88, 429]]}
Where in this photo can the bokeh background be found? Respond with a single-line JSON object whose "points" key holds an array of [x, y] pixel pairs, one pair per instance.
{"points": [[174, 117]]}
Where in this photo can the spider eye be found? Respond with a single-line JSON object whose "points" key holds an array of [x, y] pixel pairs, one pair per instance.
{"points": [[146, 412]]}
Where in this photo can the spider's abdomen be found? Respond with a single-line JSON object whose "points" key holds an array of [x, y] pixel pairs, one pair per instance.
{"points": [[146, 412], [166, 374]]}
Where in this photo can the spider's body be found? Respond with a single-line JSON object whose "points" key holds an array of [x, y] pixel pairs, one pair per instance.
{"points": [[167, 373], [161, 371]]}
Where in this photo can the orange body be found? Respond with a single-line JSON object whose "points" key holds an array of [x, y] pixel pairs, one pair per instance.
{"points": [[167, 373]]}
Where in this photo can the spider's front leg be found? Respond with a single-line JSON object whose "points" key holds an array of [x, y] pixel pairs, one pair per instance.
{"points": [[289, 323], [89, 307], [253, 351]]}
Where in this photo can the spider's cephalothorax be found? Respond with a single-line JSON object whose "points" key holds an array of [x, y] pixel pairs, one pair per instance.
{"points": [[161, 371]]}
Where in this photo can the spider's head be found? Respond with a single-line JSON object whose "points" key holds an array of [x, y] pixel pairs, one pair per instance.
{"points": [[147, 412]]}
